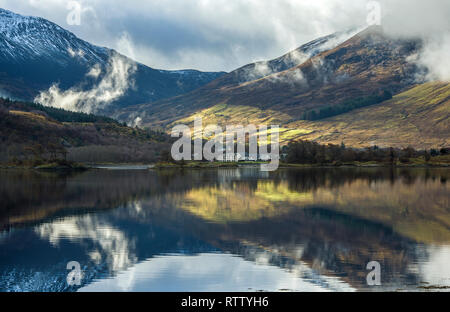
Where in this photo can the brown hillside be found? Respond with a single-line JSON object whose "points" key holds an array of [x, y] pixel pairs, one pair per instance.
{"points": [[367, 63]]}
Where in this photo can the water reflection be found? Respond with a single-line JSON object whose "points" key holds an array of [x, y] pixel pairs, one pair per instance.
{"points": [[228, 229], [213, 272]]}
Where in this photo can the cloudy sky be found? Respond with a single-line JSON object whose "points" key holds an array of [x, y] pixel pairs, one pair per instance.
{"points": [[215, 35]]}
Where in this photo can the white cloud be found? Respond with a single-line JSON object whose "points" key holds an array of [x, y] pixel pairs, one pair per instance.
{"points": [[107, 242], [111, 87], [74, 54], [435, 57], [95, 71]]}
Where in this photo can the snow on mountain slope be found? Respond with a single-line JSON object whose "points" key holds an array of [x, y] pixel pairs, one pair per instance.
{"points": [[25, 37], [258, 70], [39, 56], [369, 63]]}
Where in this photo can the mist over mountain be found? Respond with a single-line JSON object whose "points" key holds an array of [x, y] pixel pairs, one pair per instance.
{"points": [[261, 69], [40, 60], [323, 72], [333, 89]]}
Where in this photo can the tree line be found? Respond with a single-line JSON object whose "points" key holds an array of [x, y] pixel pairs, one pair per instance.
{"points": [[306, 152], [57, 114]]}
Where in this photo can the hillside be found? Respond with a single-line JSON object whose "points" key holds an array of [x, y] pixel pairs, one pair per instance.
{"points": [[29, 133], [364, 92], [418, 117], [261, 69], [367, 64], [36, 54]]}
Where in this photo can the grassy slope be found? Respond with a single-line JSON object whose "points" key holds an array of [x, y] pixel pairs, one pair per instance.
{"points": [[418, 117]]}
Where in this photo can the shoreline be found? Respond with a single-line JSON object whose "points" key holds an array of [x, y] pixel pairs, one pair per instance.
{"points": [[208, 165]]}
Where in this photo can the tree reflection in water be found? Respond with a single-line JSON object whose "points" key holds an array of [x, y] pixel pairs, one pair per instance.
{"points": [[319, 225]]}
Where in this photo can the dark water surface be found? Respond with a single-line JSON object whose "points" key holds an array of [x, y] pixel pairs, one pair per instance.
{"points": [[225, 229]]}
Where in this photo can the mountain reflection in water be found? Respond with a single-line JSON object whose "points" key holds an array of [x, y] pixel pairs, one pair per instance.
{"points": [[225, 229]]}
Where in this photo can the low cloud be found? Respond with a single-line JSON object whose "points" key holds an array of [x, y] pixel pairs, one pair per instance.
{"points": [[94, 72], [435, 58], [425, 20], [113, 85], [137, 122], [74, 54], [291, 77], [273, 73]]}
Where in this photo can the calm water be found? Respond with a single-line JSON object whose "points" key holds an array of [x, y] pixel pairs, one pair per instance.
{"points": [[225, 230]]}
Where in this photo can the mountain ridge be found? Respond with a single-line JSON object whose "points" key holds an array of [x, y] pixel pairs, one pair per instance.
{"points": [[367, 63], [261, 69], [36, 54], [345, 79]]}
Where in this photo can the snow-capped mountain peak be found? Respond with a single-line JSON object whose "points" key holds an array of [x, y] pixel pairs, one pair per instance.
{"points": [[36, 54], [23, 37]]}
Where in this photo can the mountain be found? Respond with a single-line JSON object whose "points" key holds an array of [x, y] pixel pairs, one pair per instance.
{"points": [[337, 94], [36, 53], [258, 70], [366, 64], [329, 90]]}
